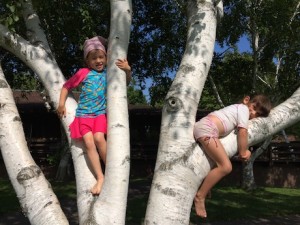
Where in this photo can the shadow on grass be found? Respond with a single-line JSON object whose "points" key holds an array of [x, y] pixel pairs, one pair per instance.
{"points": [[229, 204], [226, 204]]}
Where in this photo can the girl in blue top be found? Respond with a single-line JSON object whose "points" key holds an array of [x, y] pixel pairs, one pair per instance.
{"points": [[90, 120]]}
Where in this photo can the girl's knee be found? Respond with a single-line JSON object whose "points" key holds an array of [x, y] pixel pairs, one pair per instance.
{"points": [[99, 136], [89, 143], [227, 168], [99, 140]]}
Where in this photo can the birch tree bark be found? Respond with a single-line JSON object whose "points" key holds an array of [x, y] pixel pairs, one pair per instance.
{"points": [[37, 36], [25, 176], [37, 57], [110, 208], [175, 180]]}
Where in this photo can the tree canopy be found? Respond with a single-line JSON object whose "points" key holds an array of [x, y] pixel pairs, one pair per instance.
{"points": [[157, 42]]}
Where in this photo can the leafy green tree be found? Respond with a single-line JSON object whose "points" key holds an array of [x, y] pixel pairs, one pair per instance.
{"points": [[231, 76], [272, 28], [158, 91], [157, 38], [135, 96]]}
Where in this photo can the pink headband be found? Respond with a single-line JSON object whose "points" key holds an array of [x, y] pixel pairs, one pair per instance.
{"points": [[97, 42]]}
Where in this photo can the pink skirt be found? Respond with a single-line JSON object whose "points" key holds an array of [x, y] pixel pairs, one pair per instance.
{"points": [[80, 126]]}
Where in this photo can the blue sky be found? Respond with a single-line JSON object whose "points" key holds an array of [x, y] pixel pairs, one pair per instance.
{"points": [[243, 45]]}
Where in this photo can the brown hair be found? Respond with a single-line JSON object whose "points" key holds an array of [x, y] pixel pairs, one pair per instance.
{"points": [[262, 103]]}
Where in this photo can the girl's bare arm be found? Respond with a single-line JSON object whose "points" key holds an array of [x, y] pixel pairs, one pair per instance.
{"points": [[242, 139], [124, 65], [61, 109]]}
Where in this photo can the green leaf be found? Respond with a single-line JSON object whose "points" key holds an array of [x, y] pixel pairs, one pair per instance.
{"points": [[12, 8], [10, 20], [16, 18]]}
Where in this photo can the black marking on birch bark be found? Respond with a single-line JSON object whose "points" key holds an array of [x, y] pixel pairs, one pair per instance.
{"points": [[3, 84], [169, 192], [17, 118], [173, 104], [175, 89], [2, 105], [28, 173], [118, 125], [91, 217], [126, 160], [82, 153], [187, 69], [9, 42], [165, 191], [157, 186], [180, 160], [47, 204], [91, 221]]}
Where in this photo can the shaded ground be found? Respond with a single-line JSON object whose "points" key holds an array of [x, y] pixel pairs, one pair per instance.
{"points": [[17, 218], [286, 220], [70, 210]]}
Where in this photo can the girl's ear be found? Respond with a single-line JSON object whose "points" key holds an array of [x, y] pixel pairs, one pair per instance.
{"points": [[246, 99]]}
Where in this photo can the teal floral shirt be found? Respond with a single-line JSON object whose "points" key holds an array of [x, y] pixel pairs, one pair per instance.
{"points": [[92, 100]]}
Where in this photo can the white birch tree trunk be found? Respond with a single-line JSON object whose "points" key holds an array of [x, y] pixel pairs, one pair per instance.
{"points": [[36, 197], [176, 177], [112, 202], [37, 36]]}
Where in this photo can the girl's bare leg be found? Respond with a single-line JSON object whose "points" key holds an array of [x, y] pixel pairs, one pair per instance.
{"points": [[94, 159], [216, 152], [100, 142]]}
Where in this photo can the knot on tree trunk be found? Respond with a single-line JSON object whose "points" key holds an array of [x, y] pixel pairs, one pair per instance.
{"points": [[28, 173], [3, 84], [173, 104], [17, 118]]}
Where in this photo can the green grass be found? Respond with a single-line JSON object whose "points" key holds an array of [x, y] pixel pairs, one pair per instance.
{"points": [[226, 204]]}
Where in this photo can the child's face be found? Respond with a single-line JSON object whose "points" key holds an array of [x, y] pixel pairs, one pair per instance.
{"points": [[252, 111], [96, 60]]}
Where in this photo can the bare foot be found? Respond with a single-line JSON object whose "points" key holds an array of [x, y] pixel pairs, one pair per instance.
{"points": [[200, 207], [97, 187]]}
